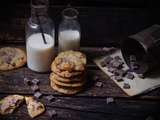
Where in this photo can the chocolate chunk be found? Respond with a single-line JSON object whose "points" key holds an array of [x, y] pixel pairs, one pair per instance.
{"points": [[132, 58], [52, 113], [27, 81], [109, 100], [35, 81], [103, 64], [35, 88], [119, 72], [108, 59], [111, 69], [118, 78], [99, 84], [126, 86], [50, 98], [129, 75], [38, 94]]}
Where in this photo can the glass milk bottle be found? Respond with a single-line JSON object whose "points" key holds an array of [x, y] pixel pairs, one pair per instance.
{"points": [[39, 37], [69, 30]]}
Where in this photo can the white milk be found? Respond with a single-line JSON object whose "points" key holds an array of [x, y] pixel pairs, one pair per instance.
{"points": [[40, 55], [69, 40]]}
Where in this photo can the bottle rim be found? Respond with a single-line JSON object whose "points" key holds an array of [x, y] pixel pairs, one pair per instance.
{"points": [[70, 13]]}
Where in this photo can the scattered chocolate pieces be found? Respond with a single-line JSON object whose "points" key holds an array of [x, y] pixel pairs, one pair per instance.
{"points": [[50, 98], [129, 75], [27, 81], [34, 88], [98, 84], [52, 113], [35, 81], [118, 78], [37, 94], [111, 69], [126, 86], [109, 100], [103, 64]]}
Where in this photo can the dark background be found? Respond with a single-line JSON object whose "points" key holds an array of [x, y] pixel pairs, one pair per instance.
{"points": [[103, 22]]}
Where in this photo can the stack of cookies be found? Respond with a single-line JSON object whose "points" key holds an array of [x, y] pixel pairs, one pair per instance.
{"points": [[68, 76]]}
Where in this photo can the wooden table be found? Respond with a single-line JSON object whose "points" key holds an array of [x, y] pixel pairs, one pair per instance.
{"points": [[90, 104]]}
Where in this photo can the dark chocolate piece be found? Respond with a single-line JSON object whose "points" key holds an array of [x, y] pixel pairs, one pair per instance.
{"points": [[35, 81], [109, 100], [129, 75], [50, 98], [103, 64], [98, 84], [126, 86], [118, 78], [119, 72], [27, 81], [38, 94], [111, 69], [35, 88], [52, 113], [108, 59]]}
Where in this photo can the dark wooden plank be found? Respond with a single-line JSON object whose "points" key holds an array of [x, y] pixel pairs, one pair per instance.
{"points": [[97, 108]]}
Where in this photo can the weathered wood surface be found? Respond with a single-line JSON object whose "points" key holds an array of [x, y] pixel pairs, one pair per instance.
{"points": [[90, 104]]}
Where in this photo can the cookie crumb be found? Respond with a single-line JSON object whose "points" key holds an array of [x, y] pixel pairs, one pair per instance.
{"points": [[109, 100], [99, 84], [37, 94]]}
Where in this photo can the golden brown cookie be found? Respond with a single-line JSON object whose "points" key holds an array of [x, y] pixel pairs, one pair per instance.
{"points": [[65, 90], [67, 80], [70, 61], [34, 107], [10, 103], [11, 58], [71, 85], [65, 74]]}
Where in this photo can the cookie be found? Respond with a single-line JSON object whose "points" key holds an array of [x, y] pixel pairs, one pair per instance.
{"points": [[66, 80], [10, 103], [72, 85], [65, 74], [34, 107], [65, 90], [70, 61], [11, 58]]}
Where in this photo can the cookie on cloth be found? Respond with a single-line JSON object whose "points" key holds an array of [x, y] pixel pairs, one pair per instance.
{"points": [[70, 61], [72, 85], [11, 58], [67, 80], [10, 103], [65, 90]]}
